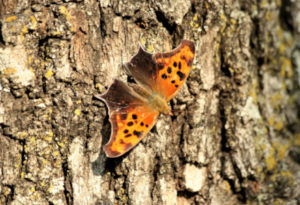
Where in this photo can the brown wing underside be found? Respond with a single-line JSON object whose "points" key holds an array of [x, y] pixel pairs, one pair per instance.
{"points": [[130, 118]]}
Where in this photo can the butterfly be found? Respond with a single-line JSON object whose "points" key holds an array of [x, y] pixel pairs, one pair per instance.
{"points": [[133, 110]]}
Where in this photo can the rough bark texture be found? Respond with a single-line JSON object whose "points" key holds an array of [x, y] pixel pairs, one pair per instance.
{"points": [[235, 135]]}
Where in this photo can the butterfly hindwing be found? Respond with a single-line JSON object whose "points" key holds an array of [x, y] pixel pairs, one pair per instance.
{"points": [[164, 73], [130, 117], [129, 126]]}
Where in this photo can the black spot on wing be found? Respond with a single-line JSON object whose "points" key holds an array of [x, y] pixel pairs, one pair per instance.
{"points": [[142, 124], [138, 134], [125, 131], [181, 75], [130, 123], [134, 116], [173, 81], [169, 70], [164, 76], [179, 65], [175, 64], [128, 135]]}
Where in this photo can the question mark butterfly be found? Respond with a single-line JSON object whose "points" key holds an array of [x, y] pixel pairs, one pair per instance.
{"points": [[133, 110]]}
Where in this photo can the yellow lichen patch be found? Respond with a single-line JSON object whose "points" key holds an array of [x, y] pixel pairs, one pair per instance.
{"points": [[48, 74], [286, 173], [77, 112], [72, 29], [278, 125], [45, 161], [150, 48], [26, 148], [8, 71], [56, 153], [10, 19], [271, 121], [50, 134], [195, 18], [99, 87], [233, 21], [223, 22], [34, 22], [22, 135], [22, 175], [143, 41], [281, 149], [62, 145], [194, 23], [56, 33], [50, 188], [78, 102], [222, 17], [286, 68], [42, 183], [270, 160], [49, 137], [64, 10], [32, 139], [231, 70], [213, 129], [227, 186], [24, 30], [207, 5], [32, 189], [269, 16], [29, 60]]}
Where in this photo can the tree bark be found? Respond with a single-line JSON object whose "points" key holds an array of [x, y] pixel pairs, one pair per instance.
{"points": [[235, 134]]}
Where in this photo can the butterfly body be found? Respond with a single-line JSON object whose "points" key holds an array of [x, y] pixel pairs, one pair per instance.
{"points": [[134, 110], [158, 103]]}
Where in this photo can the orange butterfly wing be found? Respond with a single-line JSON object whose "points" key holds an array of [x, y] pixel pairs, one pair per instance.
{"points": [[173, 68], [163, 73], [130, 117]]}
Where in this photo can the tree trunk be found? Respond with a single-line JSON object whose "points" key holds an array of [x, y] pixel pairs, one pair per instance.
{"points": [[235, 134]]}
